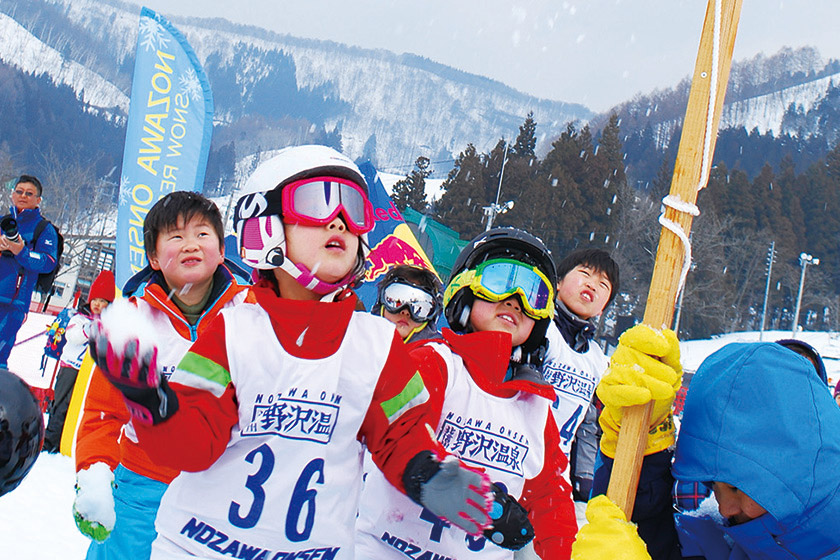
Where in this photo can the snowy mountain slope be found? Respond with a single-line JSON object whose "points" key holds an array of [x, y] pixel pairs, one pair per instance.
{"points": [[396, 107], [783, 93], [382, 90], [411, 108], [765, 112], [21, 49]]}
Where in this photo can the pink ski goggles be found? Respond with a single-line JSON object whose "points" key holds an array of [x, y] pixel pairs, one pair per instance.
{"points": [[317, 202]]}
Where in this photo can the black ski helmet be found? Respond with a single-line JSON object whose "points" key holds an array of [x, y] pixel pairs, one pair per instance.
{"points": [[21, 430], [497, 243]]}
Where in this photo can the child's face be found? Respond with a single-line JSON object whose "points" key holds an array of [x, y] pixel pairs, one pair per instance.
{"points": [[97, 305], [188, 255], [328, 251], [584, 291], [403, 321], [505, 316]]}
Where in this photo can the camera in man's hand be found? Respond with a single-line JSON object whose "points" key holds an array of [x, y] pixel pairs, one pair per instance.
{"points": [[9, 228]]}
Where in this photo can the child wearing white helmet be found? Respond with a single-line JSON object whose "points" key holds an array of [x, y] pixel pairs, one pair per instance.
{"points": [[271, 409]]}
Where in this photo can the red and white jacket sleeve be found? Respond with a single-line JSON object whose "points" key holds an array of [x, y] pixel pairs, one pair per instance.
{"points": [[197, 434], [407, 398], [548, 499]]}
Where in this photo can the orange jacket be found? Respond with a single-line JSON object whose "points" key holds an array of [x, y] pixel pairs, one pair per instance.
{"points": [[105, 433]]}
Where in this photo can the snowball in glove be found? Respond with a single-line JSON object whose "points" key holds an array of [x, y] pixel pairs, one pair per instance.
{"points": [[608, 534], [645, 367], [93, 508], [123, 345]]}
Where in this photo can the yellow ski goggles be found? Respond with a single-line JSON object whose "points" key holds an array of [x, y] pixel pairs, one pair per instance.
{"points": [[498, 279]]}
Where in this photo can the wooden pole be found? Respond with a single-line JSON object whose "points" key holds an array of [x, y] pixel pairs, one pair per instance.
{"points": [[689, 174]]}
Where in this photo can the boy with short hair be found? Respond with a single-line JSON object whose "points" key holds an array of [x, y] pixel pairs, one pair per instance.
{"points": [[574, 364], [412, 298], [495, 413], [184, 287]]}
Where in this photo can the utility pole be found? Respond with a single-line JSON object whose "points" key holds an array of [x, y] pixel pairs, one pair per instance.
{"points": [[804, 260], [679, 312], [494, 208], [771, 257]]}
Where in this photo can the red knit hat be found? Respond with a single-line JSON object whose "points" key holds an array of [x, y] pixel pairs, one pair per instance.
{"points": [[103, 287]]}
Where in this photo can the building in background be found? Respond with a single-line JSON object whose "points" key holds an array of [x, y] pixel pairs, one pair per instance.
{"points": [[83, 259]]}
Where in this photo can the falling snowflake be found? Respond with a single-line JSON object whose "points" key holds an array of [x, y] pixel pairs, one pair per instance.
{"points": [[151, 33], [191, 85]]}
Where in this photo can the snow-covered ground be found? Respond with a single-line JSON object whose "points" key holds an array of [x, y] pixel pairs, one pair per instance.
{"points": [[36, 520]]}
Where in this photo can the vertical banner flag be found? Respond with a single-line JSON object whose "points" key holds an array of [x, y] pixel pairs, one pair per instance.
{"points": [[170, 123], [391, 242]]}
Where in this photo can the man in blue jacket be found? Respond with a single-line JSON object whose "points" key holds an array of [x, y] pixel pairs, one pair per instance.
{"points": [[20, 261], [758, 427]]}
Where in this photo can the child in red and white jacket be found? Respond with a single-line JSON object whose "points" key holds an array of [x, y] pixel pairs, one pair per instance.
{"points": [[102, 292], [495, 413], [270, 410]]}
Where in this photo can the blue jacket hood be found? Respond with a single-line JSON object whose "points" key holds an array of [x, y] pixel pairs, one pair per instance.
{"points": [[758, 418]]}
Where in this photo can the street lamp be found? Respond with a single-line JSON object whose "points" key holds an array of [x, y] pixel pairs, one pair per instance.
{"points": [[495, 208], [804, 260]]}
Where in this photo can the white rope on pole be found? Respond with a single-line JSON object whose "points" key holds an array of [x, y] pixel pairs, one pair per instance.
{"points": [[713, 86], [687, 208], [675, 202]]}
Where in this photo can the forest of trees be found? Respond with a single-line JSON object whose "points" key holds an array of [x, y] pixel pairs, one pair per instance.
{"points": [[578, 195], [598, 187]]}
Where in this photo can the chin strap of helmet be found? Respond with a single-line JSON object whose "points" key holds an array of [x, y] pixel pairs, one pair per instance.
{"points": [[308, 280], [526, 366]]}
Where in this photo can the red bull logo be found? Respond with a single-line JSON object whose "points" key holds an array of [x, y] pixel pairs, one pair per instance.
{"points": [[390, 252], [385, 214]]}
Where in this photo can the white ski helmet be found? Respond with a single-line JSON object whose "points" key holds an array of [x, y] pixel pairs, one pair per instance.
{"points": [[258, 217]]}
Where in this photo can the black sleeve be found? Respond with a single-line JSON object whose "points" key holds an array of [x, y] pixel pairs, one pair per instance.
{"points": [[653, 511]]}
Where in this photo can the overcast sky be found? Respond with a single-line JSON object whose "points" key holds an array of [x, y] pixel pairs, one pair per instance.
{"points": [[595, 52]]}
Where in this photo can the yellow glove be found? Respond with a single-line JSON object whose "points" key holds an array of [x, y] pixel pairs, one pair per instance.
{"points": [[608, 534], [645, 367]]}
